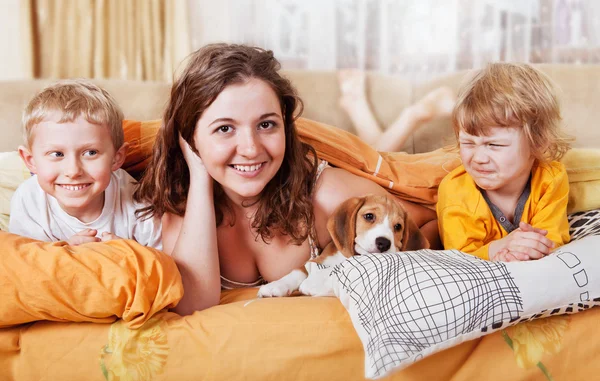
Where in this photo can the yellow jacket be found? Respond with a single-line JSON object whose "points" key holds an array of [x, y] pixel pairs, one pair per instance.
{"points": [[466, 222]]}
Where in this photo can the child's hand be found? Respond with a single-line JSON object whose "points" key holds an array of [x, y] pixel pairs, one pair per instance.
{"points": [[106, 236], [526, 242], [505, 255], [524, 226], [84, 236]]}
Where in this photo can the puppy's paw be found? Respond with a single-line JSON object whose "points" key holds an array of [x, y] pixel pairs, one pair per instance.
{"points": [[274, 289], [318, 284]]}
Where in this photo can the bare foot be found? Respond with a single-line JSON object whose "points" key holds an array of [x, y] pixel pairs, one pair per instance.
{"points": [[438, 103], [354, 101], [353, 87]]}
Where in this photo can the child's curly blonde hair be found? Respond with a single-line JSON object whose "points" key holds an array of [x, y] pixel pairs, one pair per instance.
{"points": [[513, 95], [74, 98]]}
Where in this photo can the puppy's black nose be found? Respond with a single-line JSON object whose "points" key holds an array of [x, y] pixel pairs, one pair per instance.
{"points": [[383, 244]]}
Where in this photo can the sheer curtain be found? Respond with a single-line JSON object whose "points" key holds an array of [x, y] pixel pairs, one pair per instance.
{"points": [[416, 38], [127, 39]]}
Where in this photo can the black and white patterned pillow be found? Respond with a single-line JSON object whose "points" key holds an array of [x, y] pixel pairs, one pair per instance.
{"points": [[583, 224], [409, 305]]}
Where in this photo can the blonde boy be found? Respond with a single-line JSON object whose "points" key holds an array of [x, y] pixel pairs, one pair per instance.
{"points": [[508, 201], [75, 147]]}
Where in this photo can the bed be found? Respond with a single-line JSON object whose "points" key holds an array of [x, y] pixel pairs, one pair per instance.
{"points": [[117, 326]]}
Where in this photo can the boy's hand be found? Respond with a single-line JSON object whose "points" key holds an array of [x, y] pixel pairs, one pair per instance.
{"points": [[84, 236], [106, 236]]}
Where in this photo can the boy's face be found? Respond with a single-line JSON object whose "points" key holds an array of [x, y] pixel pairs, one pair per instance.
{"points": [[73, 162], [500, 162]]}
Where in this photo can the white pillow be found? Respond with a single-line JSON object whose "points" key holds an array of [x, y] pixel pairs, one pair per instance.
{"points": [[409, 305]]}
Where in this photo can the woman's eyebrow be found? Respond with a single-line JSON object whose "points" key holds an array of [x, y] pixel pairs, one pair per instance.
{"points": [[233, 121], [222, 120], [270, 115]]}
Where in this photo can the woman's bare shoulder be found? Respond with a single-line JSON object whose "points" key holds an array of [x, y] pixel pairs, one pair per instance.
{"points": [[336, 185], [171, 225]]}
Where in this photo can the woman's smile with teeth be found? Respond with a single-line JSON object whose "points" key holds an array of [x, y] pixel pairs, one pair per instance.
{"points": [[74, 187], [247, 168]]}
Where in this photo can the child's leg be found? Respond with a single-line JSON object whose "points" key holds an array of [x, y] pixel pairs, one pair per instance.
{"points": [[354, 102], [436, 104]]}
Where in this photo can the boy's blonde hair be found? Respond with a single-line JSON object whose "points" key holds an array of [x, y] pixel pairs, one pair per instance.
{"points": [[74, 98], [513, 95]]}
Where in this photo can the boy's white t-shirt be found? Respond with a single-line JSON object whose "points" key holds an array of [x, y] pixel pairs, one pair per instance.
{"points": [[35, 214]]}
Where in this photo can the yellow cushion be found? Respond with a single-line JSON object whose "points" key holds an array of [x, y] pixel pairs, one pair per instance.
{"points": [[94, 282], [12, 173], [583, 169]]}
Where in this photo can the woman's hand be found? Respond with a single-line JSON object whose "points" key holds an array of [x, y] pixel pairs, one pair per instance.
{"points": [[522, 244], [194, 162]]}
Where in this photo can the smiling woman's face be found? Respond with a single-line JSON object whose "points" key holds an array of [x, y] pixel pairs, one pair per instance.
{"points": [[241, 139]]}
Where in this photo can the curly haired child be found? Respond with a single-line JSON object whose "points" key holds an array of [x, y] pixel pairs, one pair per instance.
{"points": [[508, 199]]}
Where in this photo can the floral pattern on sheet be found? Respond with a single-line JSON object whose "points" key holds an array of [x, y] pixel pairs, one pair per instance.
{"points": [[135, 354], [531, 340]]}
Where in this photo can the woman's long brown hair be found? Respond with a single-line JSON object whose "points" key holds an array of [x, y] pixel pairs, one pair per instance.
{"points": [[285, 206]]}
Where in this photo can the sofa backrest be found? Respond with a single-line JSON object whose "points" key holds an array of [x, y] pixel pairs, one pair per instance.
{"points": [[139, 100], [319, 90]]}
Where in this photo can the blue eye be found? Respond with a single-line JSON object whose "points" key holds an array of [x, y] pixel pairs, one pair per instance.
{"points": [[91, 152], [56, 154]]}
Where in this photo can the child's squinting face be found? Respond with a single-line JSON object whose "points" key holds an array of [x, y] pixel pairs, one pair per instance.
{"points": [[73, 162], [499, 162], [241, 139]]}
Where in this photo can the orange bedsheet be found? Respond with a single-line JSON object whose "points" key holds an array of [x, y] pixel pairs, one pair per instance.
{"points": [[297, 338]]}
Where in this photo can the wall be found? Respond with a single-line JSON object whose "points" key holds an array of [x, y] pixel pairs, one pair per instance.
{"points": [[12, 64]]}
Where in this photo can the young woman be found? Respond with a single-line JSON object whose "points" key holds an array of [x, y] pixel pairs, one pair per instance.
{"points": [[242, 200]]}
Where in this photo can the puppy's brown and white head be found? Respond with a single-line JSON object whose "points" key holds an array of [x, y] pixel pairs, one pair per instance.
{"points": [[374, 224]]}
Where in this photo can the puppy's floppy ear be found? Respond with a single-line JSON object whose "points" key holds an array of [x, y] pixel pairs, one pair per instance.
{"points": [[413, 239], [342, 225]]}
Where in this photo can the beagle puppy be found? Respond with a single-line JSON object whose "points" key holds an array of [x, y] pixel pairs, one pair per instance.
{"points": [[372, 224]]}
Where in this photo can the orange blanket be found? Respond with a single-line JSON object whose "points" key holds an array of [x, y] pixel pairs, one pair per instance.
{"points": [[94, 282], [297, 338]]}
